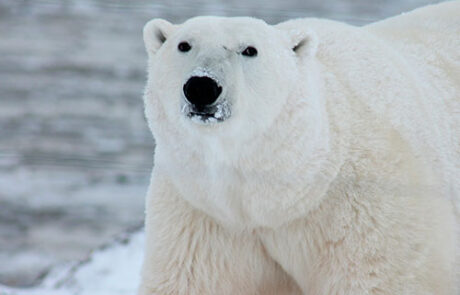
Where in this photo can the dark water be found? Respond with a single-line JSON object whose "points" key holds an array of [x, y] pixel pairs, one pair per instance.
{"points": [[75, 152]]}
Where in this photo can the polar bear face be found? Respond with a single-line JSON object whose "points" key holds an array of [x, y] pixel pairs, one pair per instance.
{"points": [[220, 76]]}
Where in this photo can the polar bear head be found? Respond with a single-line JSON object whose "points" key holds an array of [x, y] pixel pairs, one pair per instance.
{"points": [[221, 76]]}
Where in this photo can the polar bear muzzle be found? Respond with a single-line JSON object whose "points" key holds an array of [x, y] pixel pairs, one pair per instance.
{"points": [[203, 102]]}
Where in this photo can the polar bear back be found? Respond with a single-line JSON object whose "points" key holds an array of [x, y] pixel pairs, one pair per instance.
{"points": [[431, 30], [429, 38]]}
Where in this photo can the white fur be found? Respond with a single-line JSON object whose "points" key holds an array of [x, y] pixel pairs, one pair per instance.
{"points": [[336, 173]]}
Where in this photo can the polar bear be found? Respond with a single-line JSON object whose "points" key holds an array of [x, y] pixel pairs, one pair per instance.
{"points": [[310, 157]]}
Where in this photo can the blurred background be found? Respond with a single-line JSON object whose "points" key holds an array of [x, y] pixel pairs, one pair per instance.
{"points": [[75, 151]]}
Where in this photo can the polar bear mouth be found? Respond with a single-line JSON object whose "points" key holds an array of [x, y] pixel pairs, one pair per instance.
{"points": [[210, 114]]}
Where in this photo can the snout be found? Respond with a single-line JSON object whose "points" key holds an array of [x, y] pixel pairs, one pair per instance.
{"points": [[201, 91]]}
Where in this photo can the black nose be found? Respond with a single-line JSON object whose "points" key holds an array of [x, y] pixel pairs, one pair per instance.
{"points": [[202, 91]]}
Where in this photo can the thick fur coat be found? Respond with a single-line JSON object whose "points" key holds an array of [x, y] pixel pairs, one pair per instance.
{"points": [[337, 170]]}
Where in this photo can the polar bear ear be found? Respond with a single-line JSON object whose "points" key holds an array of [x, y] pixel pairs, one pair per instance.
{"points": [[156, 32], [303, 43]]}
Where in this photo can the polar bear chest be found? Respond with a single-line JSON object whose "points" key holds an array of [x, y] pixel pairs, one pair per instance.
{"points": [[240, 198], [219, 191]]}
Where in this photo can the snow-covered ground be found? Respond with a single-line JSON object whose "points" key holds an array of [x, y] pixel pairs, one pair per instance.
{"points": [[75, 151], [112, 270]]}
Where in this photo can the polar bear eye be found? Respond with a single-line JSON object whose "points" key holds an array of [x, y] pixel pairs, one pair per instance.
{"points": [[184, 47], [249, 51]]}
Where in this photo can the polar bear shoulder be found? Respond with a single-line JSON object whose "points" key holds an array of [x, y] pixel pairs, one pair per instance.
{"points": [[413, 66], [429, 39]]}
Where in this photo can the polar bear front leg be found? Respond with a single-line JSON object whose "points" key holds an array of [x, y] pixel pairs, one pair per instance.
{"points": [[187, 252]]}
